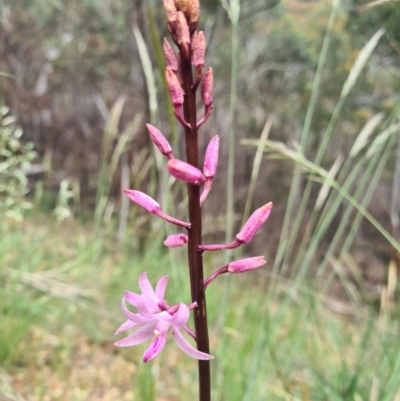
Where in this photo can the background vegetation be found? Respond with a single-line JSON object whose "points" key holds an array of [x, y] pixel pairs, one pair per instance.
{"points": [[307, 102]]}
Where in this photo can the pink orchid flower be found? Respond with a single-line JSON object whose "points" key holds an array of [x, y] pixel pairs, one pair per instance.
{"points": [[156, 317]]}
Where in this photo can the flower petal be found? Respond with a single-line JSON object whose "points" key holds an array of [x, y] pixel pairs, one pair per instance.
{"points": [[136, 318], [126, 326], [155, 348], [132, 298], [138, 337], [147, 305], [187, 348], [161, 286], [145, 285]]}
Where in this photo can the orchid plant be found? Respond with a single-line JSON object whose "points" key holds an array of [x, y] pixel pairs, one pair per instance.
{"points": [[154, 317]]}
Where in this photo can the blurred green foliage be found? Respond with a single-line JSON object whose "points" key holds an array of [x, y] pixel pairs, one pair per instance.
{"points": [[15, 159]]}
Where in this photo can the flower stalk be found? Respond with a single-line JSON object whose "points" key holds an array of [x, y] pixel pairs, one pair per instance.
{"points": [[194, 233], [154, 317]]}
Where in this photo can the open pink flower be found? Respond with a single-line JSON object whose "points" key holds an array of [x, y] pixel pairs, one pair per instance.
{"points": [[155, 317]]}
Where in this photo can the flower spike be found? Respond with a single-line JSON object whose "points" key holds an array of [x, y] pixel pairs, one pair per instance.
{"points": [[152, 206], [185, 172]]}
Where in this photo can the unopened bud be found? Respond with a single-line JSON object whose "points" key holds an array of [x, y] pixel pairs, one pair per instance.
{"points": [[174, 87], [170, 56], [207, 88], [244, 265], [254, 223], [175, 241], [182, 31], [170, 11], [198, 49], [211, 158], [143, 200], [183, 4], [193, 11], [185, 172], [159, 140], [152, 206]]}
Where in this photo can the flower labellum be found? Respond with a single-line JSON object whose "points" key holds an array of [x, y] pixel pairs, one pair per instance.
{"points": [[254, 223], [185, 172]]}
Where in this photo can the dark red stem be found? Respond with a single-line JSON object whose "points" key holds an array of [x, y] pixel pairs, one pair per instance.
{"points": [[194, 232]]}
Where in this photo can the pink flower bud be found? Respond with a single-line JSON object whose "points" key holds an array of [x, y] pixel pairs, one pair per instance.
{"points": [[182, 30], [143, 200], [185, 172], [175, 241], [207, 87], [211, 157], [193, 11], [238, 266], [254, 223], [170, 11], [183, 5], [159, 140], [152, 206], [174, 87], [198, 49], [170, 56], [244, 265]]}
